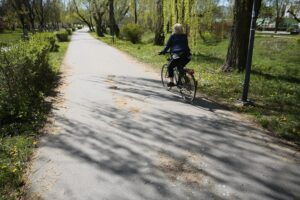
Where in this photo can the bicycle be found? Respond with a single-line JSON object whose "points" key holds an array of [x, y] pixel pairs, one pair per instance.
{"points": [[184, 81]]}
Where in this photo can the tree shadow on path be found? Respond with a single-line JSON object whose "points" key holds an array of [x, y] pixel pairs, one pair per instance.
{"points": [[130, 141]]}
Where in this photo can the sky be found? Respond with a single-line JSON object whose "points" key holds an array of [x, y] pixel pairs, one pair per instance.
{"points": [[224, 2]]}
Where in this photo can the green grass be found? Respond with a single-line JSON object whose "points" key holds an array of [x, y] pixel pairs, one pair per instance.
{"points": [[16, 149], [275, 80], [57, 57], [10, 36]]}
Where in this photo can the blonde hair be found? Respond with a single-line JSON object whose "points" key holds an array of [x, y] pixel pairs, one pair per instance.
{"points": [[178, 29]]}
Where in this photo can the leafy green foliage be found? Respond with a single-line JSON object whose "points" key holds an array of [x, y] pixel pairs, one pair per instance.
{"points": [[69, 31], [14, 153], [132, 32], [35, 64], [62, 36], [24, 77], [50, 37]]}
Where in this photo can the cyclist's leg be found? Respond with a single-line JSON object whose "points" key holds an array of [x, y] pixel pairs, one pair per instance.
{"points": [[182, 62], [171, 66], [185, 61]]}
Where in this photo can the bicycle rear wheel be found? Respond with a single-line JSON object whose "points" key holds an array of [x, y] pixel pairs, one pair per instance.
{"points": [[189, 87]]}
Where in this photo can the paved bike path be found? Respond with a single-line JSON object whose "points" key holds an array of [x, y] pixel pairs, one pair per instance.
{"points": [[118, 135]]}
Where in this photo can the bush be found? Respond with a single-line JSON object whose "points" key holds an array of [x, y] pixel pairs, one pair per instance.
{"points": [[73, 29], [25, 77], [79, 27], [50, 37], [69, 31], [132, 32], [210, 38], [2, 26], [62, 36]]}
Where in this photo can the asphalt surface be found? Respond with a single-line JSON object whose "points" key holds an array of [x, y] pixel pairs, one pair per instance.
{"points": [[118, 135]]}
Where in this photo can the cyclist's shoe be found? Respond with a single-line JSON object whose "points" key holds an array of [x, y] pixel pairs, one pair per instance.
{"points": [[170, 84]]}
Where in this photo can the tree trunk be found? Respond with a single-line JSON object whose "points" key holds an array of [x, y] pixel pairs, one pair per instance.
{"points": [[91, 23], [31, 13], [159, 28], [135, 12], [42, 16], [176, 11], [114, 28], [277, 20], [99, 23], [238, 45]]}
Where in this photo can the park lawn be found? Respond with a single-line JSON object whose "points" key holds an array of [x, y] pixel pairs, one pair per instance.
{"points": [[16, 150], [10, 36], [275, 80]]}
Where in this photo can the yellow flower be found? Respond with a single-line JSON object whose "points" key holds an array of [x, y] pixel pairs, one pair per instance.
{"points": [[14, 170], [34, 142]]}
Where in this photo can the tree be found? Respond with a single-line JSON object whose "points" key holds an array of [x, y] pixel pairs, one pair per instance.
{"points": [[121, 10], [134, 5], [266, 12], [280, 9], [159, 27], [84, 14], [29, 6], [114, 28], [238, 44], [99, 9], [18, 7], [294, 9]]}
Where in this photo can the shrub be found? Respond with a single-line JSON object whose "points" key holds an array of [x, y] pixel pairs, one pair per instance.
{"points": [[132, 32], [210, 38], [79, 27], [25, 77], [2, 26], [69, 31], [50, 37], [62, 36], [73, 29]]}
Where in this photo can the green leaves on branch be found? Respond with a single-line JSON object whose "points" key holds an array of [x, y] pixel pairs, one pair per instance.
{"points": [[132, 32], [25, 76], [62, 36]]}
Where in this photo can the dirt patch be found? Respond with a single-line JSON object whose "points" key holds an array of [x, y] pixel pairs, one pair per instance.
{"points": [[122, 102], [182, 170]]}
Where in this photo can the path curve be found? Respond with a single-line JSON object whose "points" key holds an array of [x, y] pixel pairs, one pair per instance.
{"points": [[118, 135]]}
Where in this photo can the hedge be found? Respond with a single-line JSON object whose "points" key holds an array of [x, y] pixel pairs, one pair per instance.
{"points": [[25, 76], [62, 36]]}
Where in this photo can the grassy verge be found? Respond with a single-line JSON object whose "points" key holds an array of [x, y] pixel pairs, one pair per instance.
{"points": [[275, 80], [10, 36], [16, 149]]}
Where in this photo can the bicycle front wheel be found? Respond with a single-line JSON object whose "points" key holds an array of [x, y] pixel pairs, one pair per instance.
{"points": [[189, 87], [164, 75]]}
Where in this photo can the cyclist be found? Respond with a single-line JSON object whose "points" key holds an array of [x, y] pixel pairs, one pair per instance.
{"points": [[179, 48]]}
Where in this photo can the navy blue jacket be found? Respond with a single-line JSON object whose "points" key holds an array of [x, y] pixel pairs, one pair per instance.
{"points": [[177, 43]]}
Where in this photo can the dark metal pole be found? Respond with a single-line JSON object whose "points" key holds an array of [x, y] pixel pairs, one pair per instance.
{"points": [[250, 52]]}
